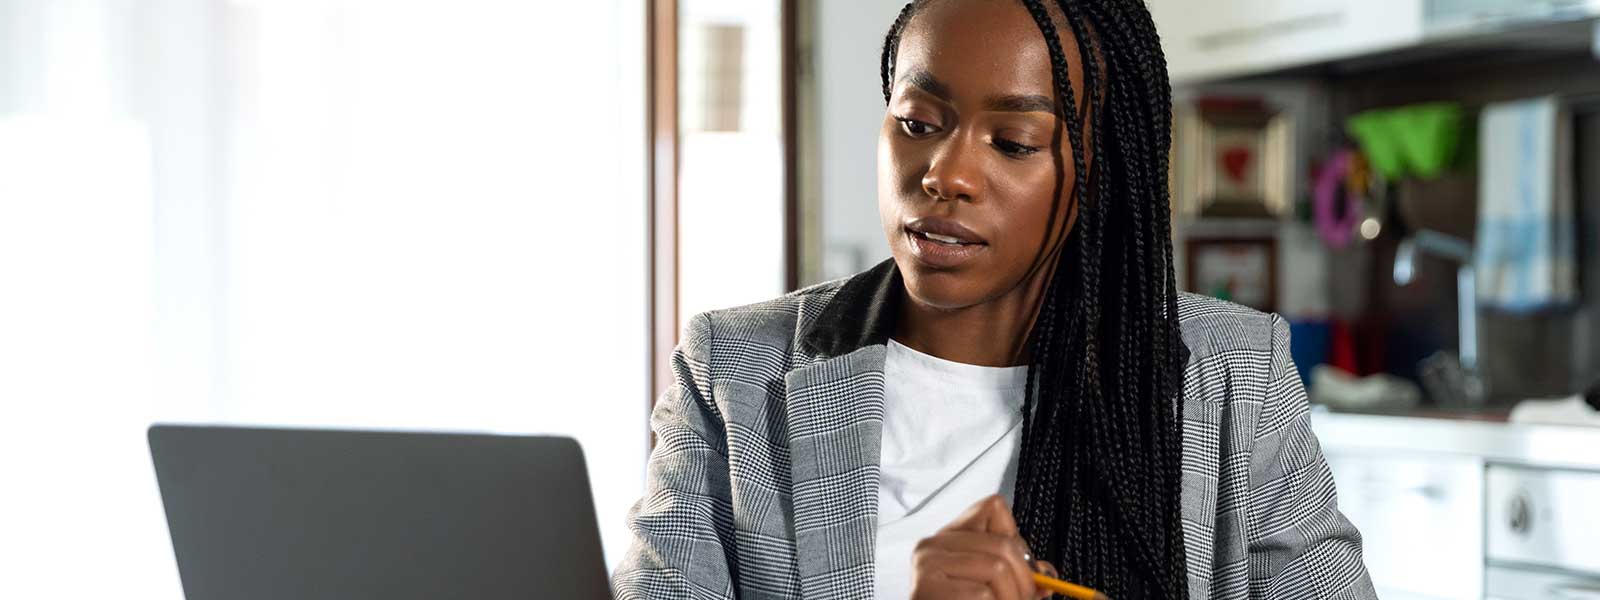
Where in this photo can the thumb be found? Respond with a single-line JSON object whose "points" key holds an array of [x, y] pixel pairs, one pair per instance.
{"points": [[1048, 569]]}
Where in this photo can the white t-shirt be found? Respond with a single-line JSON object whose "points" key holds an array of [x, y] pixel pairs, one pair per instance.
{"points": [[951, 435]]}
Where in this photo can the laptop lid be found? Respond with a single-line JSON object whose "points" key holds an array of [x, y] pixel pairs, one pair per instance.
{"points": [[287, 513]]}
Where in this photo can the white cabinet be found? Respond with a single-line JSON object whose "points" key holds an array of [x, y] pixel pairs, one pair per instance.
{"points": [[1220, 38], [1456, 17], [1452, 508], [1421, 520]]}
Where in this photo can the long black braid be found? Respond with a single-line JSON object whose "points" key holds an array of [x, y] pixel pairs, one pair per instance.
{"points": [[1099, 482]]}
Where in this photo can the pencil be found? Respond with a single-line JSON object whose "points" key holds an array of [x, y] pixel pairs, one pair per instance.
{"points": [[1070, 590]]}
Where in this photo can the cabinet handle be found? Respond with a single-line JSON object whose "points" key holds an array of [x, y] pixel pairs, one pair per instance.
{"points": [[1521, 515]]}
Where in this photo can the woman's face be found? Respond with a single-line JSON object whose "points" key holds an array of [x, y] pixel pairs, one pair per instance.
{"points": [[974, 170]]}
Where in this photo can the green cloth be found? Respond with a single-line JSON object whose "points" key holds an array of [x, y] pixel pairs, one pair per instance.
{"points": [[1420, 139]]}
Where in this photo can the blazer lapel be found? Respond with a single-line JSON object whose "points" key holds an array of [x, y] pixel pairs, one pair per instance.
{"points": [[1202, 435], [835, 410]]}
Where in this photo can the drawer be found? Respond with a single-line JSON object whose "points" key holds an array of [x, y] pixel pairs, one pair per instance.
{"points": [[1547, 518]]}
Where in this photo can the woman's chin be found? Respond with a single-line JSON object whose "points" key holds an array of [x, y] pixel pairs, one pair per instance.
{"points": [[942, 290]]}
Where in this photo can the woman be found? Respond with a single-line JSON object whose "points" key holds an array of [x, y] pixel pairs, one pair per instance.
{"points": [[1021, 381]]}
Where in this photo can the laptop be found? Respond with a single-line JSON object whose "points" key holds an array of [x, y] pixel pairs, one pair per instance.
{"points": [[310, 514]]}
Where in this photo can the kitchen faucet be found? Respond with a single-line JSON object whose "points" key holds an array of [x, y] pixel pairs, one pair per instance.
{"points": [[1450, 247]]}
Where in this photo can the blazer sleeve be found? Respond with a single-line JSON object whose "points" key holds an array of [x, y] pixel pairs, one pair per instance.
{"points": [[683, 525], [1300, 545]]}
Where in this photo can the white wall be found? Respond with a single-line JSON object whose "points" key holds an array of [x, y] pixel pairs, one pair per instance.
{"points": [[730, 183], [350, 213], [848, 39]]}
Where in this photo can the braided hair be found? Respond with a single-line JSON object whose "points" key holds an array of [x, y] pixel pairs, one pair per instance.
{"points": [[1099, 481]]}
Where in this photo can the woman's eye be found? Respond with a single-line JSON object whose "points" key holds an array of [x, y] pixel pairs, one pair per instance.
{"points": [[1013, 148], [915, 128]]}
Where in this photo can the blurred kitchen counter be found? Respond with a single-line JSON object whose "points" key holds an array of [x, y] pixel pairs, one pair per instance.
{"points": [[1485, 435], [1468, 505]]}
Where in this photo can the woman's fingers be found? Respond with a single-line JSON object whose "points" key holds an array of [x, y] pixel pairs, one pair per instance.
{"points": [[941, 572], [1048, 569], [982, 546], [1045, 567], [1004, 552], [989, 514], [954, 589]]}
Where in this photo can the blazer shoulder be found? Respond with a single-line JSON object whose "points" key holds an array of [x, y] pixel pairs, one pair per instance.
{"points": [[1212, 327], [773, 322]]}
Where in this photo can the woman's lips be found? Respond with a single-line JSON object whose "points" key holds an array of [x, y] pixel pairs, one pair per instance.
{"points": [[931, 251], [944, 229]]}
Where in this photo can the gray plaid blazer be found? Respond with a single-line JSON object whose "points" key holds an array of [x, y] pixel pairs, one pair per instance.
{"points": [[764, 478]]}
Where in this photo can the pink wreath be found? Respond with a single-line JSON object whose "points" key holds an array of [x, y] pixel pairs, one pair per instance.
{"points": [[1337, 231]]}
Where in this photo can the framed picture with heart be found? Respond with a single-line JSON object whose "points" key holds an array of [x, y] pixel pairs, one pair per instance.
{"points": [[1237, 269], [1233, 158]]}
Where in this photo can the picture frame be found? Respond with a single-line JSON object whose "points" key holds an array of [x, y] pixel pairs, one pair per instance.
{"points": [[1243, 270], [1234, 159]]}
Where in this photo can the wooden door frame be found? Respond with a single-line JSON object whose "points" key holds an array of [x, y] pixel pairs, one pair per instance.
{"points": [[661, 121], [788, 53], [663, 130]]}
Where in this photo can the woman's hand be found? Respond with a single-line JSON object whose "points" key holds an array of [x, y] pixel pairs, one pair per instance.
{"points": [[979, 555]]}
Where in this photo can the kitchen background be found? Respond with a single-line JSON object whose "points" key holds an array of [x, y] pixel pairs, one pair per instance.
{"points": [[356, 213], [1415, 185]]}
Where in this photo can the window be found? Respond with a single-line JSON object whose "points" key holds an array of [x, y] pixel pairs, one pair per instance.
{"points": [[422, 215]]}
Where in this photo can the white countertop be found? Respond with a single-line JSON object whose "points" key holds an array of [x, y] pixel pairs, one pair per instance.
{"points": [[1544, 446]]}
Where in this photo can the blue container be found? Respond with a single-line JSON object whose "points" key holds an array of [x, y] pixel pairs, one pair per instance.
{"points": [[1308, 345]]}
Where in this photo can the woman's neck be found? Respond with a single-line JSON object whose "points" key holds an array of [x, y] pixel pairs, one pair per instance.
{"points": [[991, 334]]}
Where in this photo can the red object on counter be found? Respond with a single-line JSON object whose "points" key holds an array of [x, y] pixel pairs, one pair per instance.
{"points": [[1342, 347]]}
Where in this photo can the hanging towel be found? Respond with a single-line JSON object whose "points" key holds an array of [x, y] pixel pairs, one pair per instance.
{"points": [[1526, 254]]}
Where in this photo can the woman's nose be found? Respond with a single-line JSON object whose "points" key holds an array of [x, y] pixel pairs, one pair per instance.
{"points": [[954, 173]]}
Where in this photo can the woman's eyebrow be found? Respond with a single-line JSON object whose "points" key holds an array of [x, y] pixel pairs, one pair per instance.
{"points": [[926, 82], [1021, 103]]}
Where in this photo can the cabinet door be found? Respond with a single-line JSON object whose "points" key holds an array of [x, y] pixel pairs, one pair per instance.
{"points": [[1544, 517], [1207, 40], [1421, 520]]}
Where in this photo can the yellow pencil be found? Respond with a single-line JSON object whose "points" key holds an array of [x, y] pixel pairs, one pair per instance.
{"points": [[1070, 590]]}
